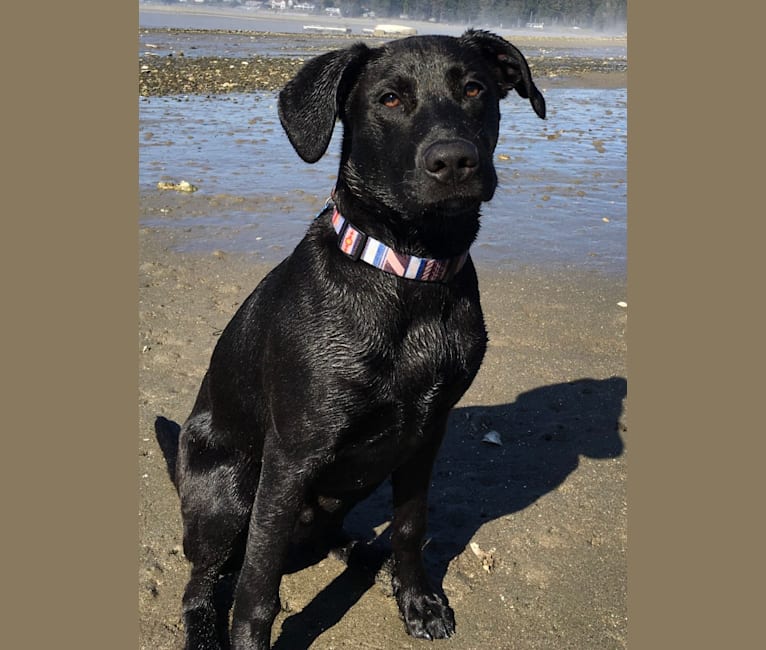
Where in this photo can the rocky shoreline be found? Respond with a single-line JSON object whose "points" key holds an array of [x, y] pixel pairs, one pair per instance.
{"points": [[177, 74]]}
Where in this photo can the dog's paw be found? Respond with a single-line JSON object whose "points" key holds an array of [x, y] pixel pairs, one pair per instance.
{"points": [[427, 615]]}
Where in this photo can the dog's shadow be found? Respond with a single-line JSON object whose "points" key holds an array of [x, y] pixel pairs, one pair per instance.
{"points": [[543, 433]]}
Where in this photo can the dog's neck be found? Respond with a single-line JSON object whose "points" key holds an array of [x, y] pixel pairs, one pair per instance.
{"points": [[358, 246]]}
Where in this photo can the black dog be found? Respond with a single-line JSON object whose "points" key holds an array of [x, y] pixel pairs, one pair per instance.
{"points": [[335, 374]]}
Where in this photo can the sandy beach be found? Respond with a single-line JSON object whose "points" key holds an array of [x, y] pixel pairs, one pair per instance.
{"points": [[528, 538], [549, 505]]}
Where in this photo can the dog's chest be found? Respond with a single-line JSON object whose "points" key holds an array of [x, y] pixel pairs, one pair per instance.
{"points": [[406, 386], [432, 356], [429, 359]]}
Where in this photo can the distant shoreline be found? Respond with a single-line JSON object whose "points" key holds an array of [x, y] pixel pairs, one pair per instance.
{"points": [[521, 37]]}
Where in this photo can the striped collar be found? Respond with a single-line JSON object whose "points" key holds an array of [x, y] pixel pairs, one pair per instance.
{"points": [[358, 246]]}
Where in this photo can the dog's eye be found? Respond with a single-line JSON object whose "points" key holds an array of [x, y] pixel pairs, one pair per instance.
{"points": [[473, 89], [391, 100]]}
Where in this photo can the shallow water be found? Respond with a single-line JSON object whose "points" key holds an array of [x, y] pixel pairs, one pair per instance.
{"points": [[561, 197]]}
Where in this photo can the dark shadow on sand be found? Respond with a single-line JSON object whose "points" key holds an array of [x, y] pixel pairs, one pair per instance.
{"points": [[544, 432]]}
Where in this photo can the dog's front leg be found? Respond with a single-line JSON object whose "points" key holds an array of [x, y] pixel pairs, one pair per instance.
{"points": [[426, 612], [277, 504]]}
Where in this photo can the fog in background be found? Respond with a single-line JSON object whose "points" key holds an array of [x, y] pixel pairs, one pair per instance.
{"points": [[543, 16]]}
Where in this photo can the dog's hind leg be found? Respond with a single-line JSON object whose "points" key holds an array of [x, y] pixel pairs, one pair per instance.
{"points": [[217, 488]]}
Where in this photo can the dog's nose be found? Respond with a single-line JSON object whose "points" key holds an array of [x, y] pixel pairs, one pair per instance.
{"points": [[451, 161]]}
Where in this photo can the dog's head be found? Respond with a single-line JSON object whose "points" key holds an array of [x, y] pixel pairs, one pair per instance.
{"points": [[420, 117]]}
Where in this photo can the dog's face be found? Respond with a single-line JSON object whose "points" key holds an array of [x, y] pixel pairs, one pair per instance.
{"points": [[420, 116], [437, 112]]}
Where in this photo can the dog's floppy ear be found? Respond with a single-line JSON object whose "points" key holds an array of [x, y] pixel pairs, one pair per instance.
{"points": [[308, 104], [509, 66]]}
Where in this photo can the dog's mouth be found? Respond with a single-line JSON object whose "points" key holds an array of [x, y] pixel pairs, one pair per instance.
{"points": [[454, 208], [437, 199]]}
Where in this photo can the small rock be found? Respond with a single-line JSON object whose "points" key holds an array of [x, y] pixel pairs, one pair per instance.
{"points": [[183, 186], [487, 557], [493, 438]]}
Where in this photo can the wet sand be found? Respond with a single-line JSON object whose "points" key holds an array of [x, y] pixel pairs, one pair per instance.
{"points": [[547, 508]]}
